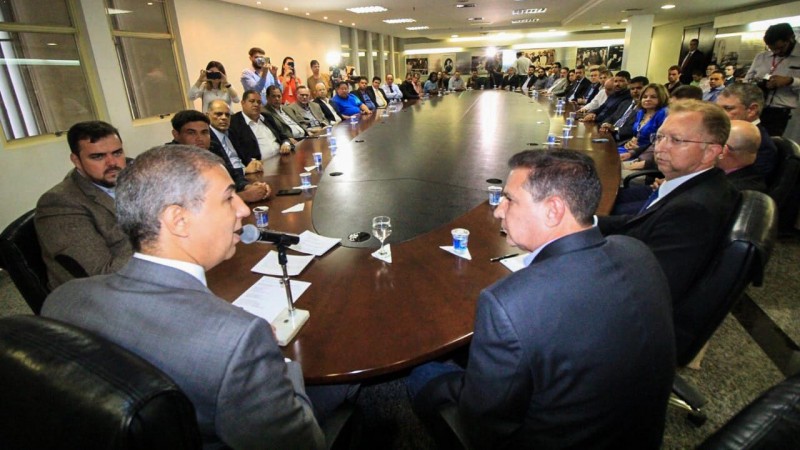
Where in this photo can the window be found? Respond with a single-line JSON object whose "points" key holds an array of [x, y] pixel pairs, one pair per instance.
{"points": [[43, 86], [146, 51]]}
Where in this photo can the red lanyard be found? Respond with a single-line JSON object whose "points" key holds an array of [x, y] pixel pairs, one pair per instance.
{"points": [[775, 64]]}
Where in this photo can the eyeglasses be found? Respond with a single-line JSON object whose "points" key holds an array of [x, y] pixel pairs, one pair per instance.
{"points": [[657, 138]]}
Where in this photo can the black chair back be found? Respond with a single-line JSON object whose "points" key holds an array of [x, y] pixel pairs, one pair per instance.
{"points": [[739, 261], [21, 256], [62, 387], [783, 185], [772, 421]]}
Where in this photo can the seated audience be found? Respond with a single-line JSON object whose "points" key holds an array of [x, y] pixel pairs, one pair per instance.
{"points": [[76, 218], [409, 87], [380, 97], [347, 104], [475, 82], [178, 207], [715, 84], [251, 135], [745, 102], [621, 122], [279, 120], [321, 91], [391, 90], [673, 79], [595, 86], [456, 83], [739, 156], [510, 79], [601, 96], [191, 127], [213, 85], [685, 92], [649, 118], [620, 94], [364, 94], [307, 113], [220, 115], [431, 86], [560, 84], [530, 381]]}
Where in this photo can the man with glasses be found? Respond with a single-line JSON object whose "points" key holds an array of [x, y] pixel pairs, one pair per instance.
{"points": [[307, 113], [777, 73], [684, 219]]}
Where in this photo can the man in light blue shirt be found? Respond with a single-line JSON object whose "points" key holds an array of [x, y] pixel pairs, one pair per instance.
{"points": [[261, 75], [391, 90]]}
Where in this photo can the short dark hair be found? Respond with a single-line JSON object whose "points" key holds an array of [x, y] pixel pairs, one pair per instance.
{"points": [[181, 118], [313, 61], [255, 50], [249, 92], [339, 83], [640, 79], [719, 72], [519, 54], [557, 64], [778, 32], [569, 174], [624, 74], [579, 67], [93, 131], [687, 91], [671, 68], [376, 78], [271, 88]]}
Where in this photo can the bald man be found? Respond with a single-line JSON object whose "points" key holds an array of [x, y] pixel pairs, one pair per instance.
{"points": [[739, 155]]}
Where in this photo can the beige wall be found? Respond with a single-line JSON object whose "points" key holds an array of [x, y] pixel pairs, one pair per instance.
{"points": [[665, 49]]}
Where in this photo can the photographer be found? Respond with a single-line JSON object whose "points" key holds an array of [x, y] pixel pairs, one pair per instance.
{"points": [[289, 81], [777, 73], [261, 75], [213, 85]]}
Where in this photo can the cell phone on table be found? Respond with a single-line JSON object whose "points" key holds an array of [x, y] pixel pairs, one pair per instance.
{"points": [[289, 192]]}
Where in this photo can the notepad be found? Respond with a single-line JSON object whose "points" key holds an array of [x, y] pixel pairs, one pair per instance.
{"points": [[267, 297], [313, 244], [268, 265]]}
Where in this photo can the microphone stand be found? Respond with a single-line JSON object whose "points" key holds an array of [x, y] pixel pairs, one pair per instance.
{"points": [[288, 322]]}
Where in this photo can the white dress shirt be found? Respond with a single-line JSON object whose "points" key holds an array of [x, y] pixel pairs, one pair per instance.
{"points": [[267, 143]]}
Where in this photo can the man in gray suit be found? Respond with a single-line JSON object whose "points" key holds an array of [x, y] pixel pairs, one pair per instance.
{"points": [[179, 207], [307, 113], [75, 220], [575, 350]]}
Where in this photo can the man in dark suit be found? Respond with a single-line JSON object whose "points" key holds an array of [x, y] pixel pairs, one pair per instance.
{"points": [[278, 120], [693, 61], [684, 219], [576, 350], [178, 206], [77, 217], [745, 102], [251, 135], [325, 105], [192, 127], [366, 95], [580, 87], [739, 155]]}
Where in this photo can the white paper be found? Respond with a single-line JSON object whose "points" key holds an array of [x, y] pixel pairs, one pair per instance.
{"points": [[311, 186], [309, 168], [449, 248], [269, 264], [515, 263], [385, 258], [267, 297], [313, 244], [296, 208]]}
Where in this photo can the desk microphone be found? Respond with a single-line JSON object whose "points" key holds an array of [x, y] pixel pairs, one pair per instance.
{"points": [[251, 234]]}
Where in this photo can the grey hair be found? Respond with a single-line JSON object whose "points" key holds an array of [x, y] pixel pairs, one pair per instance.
{"points": [[747, 94], [160, 177]]}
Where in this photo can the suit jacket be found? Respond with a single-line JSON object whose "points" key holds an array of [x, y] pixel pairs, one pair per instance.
{"points": [[512, 81], [696, 62], [377, 92], [684, 229], [237, 175], [625, 132], [276, 123], [748, 178], [328, 111], [578, 89], [223, 358], [243, 139], [78, 220], [591, 93], [296, 112], [370, 94], [767, 157], [408, 91], [581, 359], [610, 105]]}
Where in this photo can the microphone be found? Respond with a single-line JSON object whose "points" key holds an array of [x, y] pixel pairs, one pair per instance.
{"points": [[251, 234]]}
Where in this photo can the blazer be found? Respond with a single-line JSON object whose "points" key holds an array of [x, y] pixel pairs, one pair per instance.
{"points": [[407, 88], [379, 92], [574, 351], [276, 123], [579, 89], [610, 105], [78, 220], [223, 358], [243, 139], [328, 111], [748, 178], [237, 175], [296, 112], [684, 229], [370, 94], [767, 157], [695, 62]]}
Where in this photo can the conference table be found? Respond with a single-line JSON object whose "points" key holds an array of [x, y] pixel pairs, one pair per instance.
{"points": [[427, 166]]}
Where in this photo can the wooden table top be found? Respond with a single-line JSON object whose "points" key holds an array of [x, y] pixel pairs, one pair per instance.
{"points": [[426, 167]]}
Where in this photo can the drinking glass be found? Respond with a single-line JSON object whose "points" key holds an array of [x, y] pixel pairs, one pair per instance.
{"points": [[381, 229]]}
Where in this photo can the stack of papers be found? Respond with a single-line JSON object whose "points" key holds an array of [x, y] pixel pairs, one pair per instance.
{"points": [[516, 263], [313, 244], [269, 264], [267, 297]]}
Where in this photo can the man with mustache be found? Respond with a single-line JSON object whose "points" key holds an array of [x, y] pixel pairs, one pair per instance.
{"points": [[76, 219]]}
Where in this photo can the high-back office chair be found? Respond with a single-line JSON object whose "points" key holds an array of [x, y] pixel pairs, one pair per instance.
{"points": [[62, 387], [21, 256], [740, 260], [783, 185], [772, 421]]}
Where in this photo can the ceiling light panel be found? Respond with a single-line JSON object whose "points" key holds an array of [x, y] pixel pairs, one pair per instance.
{"points": [[524, 21], [399, 20], [417, 28], [524, 12], [367, 9]]}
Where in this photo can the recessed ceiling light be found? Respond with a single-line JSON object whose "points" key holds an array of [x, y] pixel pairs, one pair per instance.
{"points": [[149, 3], [340, 21], [258, 3], [417, 28], [308, 14], [453, 35], [399, 20], [624, 20], [52, 44], [324, 17], [524, 21], [520, 12], [605, 27], [465, 5], [367, 9], [353, 24], [667, 6], [285, 8], [475, 19]]}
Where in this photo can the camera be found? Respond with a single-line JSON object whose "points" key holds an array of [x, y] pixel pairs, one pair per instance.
{"points": [[260, 61], [762, 84], [214, 75]]}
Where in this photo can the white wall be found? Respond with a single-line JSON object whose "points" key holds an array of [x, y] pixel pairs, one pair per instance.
{"points": [[208, 30]]}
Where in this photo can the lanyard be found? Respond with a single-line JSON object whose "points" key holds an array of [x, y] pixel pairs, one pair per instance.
{"points": [[775, 64]]}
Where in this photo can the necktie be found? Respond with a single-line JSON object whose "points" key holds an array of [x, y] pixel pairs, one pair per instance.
{"points": [[625, 116], [653, 196]]}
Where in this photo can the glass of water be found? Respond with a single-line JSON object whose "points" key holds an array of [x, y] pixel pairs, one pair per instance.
{"points": [[381, 229]]}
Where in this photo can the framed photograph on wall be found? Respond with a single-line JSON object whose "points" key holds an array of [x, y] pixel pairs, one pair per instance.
{"points": [[417, 65]]}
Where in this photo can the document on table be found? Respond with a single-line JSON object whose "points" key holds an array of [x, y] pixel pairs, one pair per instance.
{"points": [[267, 297], [516, 263], [313, 244], [269, 264]]}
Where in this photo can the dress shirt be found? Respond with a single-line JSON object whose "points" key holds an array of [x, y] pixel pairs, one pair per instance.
{"points": [[379, 97], [325, 104], [392, 91], [711, 96], [312, 121], [107, 190], [297, 130], [558, 87], [670, 185], [267, 143], [528, 83], [227, 145], [194, 270], [350, 106], [596, 102], [252, 80], [455, 84], [368, 101], [788, 66]]}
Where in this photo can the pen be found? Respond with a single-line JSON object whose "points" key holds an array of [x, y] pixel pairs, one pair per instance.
{"points": [[500, 258]]}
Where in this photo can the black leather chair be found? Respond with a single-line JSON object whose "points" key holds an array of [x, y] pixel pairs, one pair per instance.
{"points": [[783, 185], [62, 387], [741, 259], [21, 256], [772, 421]]}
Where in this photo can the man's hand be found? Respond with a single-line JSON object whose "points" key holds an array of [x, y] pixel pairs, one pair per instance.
{"points": [[315, 131], [255, 192], [286, 148], [778, 81], [606, 128], [588, 118], [254, 166]]}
